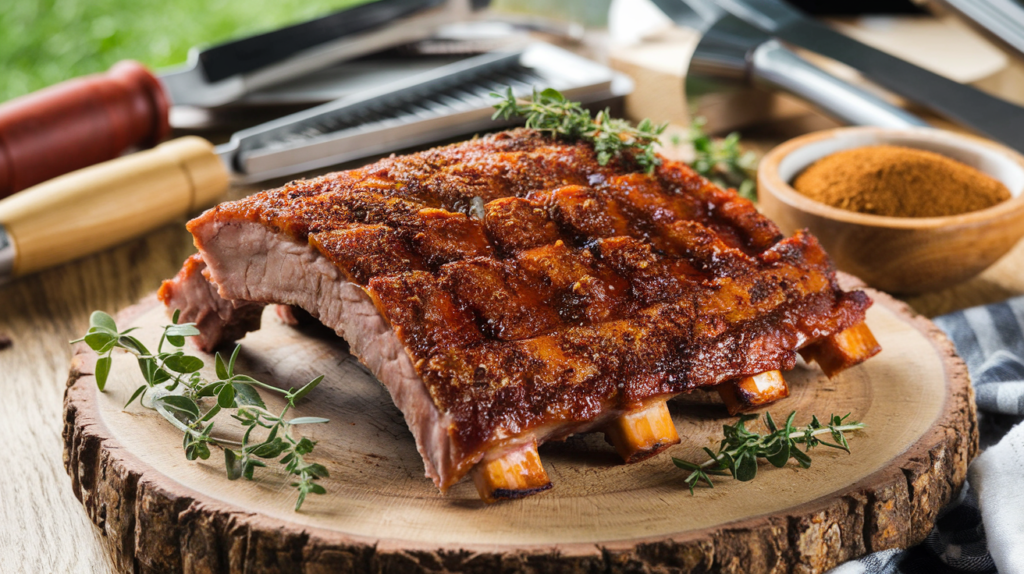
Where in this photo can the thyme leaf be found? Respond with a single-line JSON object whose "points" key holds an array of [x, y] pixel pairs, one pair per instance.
{"points": [[177, 390], [721, 161], [740, 448], [550, 112]]}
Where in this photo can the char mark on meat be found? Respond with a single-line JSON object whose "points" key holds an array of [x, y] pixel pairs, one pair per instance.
{"points": [[580, 293]]}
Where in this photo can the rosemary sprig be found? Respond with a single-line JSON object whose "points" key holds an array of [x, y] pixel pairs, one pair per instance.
{"points": [[549, 111], [177, 390], [739, 450], [721, 161]]}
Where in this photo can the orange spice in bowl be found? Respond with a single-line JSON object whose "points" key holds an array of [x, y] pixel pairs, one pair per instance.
{"points": [[898, 254], [898, 181]]}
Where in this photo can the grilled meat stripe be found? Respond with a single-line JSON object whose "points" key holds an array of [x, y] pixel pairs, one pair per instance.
{"points": [[509, 290]]}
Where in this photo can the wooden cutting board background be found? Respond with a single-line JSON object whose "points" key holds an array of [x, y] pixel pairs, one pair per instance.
{"points": [[162, 513], [42, 526]]}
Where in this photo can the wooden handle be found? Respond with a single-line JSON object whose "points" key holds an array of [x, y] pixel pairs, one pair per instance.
{"points": [[79, 123], [102, 205]]}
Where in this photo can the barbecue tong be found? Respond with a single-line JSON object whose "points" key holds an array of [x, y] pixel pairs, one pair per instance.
{"points": [[732, 49], [993, 117]]}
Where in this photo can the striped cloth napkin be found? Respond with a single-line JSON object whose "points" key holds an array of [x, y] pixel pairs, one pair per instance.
{"points": [[983, 530]]}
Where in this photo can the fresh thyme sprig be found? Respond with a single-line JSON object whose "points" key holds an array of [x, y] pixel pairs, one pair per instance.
{"points": [[739, 450], [549, 111], [177, 390], [721, 161]]}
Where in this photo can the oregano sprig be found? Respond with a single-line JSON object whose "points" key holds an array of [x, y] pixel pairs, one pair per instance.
{"points": [[740, 448], [175, 388], [549, 111]]}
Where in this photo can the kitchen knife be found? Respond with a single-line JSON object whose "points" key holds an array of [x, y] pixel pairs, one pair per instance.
{"points": [[730, 48], [95, 118], [993, 117], [105, 204]]}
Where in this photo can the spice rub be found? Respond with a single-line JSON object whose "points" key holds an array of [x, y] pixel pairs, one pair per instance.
{"points": [[511, 289], [899, 182]]}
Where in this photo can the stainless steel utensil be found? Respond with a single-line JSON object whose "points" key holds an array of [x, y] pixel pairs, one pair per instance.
{"points": [[224, 73], [105, 204], [99, 117], [442, 103], [1000, 20], [968, 106], [731, 48]]}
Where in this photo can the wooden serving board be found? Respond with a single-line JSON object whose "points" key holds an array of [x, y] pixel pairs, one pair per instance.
{"points": [[161, 513]]}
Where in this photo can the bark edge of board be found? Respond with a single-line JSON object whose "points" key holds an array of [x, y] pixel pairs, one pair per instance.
{"points": [[153, 524]]}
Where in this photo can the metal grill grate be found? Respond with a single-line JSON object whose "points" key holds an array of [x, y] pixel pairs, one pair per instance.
{"points": [[432, 102], [449, 101]]}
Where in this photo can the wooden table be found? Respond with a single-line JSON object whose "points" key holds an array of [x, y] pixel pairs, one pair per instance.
{"points": [[42, 526]]}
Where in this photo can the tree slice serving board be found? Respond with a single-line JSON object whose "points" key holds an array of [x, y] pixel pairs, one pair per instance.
{"points": [[162, 513]]}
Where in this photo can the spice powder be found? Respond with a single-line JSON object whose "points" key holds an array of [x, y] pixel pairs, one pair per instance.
{"points": [[899, 182]]}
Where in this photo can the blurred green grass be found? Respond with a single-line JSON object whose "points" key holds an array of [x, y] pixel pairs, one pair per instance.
{"points": [[43, 42]]}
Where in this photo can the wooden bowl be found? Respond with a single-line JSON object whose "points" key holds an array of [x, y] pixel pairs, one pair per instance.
{"points": [[898, 254]]}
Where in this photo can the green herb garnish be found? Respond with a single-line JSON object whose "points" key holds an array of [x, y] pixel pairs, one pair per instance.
{"points": [[549, 111], [176, 389], [739, 450], [721, 161]]}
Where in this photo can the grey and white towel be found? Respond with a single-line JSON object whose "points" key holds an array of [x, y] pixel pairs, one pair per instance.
{"points": [[983, 530], [991, 341]]}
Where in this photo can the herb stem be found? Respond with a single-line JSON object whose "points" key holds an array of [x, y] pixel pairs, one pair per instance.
{"points": [[741, 448], [265, 412], [218, 441], [796, 436], [165, 371], [266, 386], [550, 112], [721, 161]]}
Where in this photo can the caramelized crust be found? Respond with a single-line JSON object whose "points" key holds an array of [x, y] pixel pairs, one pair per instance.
{"points": [[533, 287]]}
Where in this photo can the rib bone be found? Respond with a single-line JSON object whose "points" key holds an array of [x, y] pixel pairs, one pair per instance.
{"points": [[643, 433], [843, 350], [513, 474], [752, 392]]}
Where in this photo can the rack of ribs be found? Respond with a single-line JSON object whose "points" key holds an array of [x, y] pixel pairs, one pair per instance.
{"points": [[509, 290]]}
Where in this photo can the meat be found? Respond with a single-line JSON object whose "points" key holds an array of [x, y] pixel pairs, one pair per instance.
{"points": [[509, 290], [196, 297]]}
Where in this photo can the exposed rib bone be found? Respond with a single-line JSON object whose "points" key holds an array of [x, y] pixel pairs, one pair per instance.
{"points": [[643, 433], [843, 350], [513, 474], [752, 392]]}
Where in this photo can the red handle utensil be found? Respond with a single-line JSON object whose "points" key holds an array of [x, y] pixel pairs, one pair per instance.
{"points": [[80, 122]]}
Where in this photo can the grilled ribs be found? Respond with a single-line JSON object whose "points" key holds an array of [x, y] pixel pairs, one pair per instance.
{"points": [[510, 290]]}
